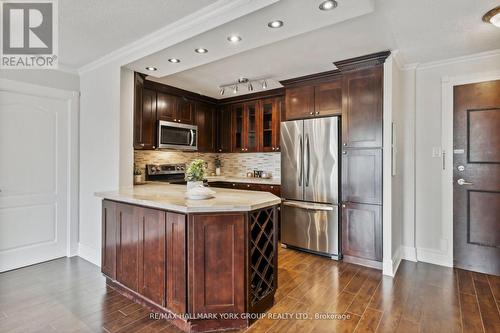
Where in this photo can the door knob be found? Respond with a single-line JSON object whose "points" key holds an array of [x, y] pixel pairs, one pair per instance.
{"points": [[460, 168], [461, 182]]}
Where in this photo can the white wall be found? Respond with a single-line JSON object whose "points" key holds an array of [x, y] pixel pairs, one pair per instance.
{"points": [[126, 127], [99, 151], [44, 77], [431, 240]]}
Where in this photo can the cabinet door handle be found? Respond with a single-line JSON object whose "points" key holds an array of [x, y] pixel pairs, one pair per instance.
{"points": [[344, 152], [317, 112], [175, 119], [142, 145], [273, 148], [154, 147], [343, 205], [311, 113]]}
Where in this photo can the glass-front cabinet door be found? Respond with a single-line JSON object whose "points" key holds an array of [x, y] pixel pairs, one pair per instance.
{"points": [[238, 128], [270, 120], [252, 130]]}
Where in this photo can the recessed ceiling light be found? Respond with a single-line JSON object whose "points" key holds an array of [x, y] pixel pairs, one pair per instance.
{"points": [[151, 68], [234, 38], [493, 17], [200, 50], [275, 24], [174, 60], [328, 5]]}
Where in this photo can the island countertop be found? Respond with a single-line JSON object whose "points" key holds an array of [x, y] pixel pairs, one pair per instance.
{"points": [[172, 197]]}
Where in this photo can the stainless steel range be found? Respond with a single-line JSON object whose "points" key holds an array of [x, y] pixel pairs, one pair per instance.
{"points": [[170, 173]]}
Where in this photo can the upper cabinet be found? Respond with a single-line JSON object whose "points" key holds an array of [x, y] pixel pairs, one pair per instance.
{"points": [[313, 98], [299, 102], [205, 120], [224, 129], [245, 127], [270, 120], [166, 107], [144, 115], [185, 111], [362, 108]]}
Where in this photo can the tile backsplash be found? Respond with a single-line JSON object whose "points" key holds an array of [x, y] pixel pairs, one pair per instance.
{"points": [[235, 165]]}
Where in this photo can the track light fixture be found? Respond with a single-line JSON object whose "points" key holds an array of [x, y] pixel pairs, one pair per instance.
{"points": [[243, 81]]}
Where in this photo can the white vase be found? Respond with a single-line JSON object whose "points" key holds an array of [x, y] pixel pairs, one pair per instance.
{"points": [[217, 171], [137, 178], [190, 185]]}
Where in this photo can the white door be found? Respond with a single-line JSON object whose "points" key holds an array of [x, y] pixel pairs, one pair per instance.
{"points": [[33, 179]]}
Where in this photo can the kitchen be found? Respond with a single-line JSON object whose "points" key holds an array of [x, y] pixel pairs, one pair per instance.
{"points": [[285, 141], [254, 165]]}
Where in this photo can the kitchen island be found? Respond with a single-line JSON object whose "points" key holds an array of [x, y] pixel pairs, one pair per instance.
{"points": [[205, 264]]}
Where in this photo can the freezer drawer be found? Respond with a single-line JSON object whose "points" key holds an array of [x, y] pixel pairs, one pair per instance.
{"points": [[310, 226]]}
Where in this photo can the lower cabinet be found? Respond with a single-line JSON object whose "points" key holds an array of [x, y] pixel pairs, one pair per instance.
{"points": [[144, 250], [176, 262], [216, 247], [362, 231]]}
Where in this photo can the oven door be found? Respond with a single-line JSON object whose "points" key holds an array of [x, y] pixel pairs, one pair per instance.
{"points": [[177, 136]]}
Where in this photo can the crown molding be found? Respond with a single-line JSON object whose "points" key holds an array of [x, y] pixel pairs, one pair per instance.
{"points": [[205, 19], [456, 60], [365, 61]]}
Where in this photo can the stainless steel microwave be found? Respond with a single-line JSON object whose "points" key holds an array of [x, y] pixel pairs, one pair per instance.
{"points": [[177, 136]]}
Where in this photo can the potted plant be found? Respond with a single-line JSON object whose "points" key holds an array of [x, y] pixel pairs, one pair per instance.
{"points": [[137, 175], [195, 174], [218, 164]]}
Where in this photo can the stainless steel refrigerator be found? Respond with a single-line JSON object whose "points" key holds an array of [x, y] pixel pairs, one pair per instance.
{"points": [[310, 183]]}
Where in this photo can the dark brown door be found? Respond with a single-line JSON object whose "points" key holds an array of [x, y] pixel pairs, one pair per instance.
{"points": [[166, 106], [205, 120], [224, 130], [270, 125], [127, 269], [238, 128], [299, 102], [362, 231], [108, 253], [185, 110], [362, 176], [216, 263], [146, 130], [476, 177], [328, 99], [152, 254], [176, 262], [252, 126], [362, 108]]}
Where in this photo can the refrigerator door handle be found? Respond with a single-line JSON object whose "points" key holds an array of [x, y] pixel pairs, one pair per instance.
{"points": [[308, 206], [301, 150], [308, 154]]}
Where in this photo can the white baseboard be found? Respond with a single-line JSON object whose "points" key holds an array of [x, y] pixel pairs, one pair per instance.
{"points": [[409, 253], [434, 257], [90, 253], [390, 267]]}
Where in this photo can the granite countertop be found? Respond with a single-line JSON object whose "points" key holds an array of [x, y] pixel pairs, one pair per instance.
{"points": [[172, 197], [246, 180]]}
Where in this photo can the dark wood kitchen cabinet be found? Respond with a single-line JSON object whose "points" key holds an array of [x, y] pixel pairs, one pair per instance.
{"points": [[205, 120], [362, 176], [224, 129], [362, 233], [144, 117], [109, 239], [311, 98], [270, 117], [223, 250], [166, 107], [245, 127], [328, 98], [176, 262], [127, 251], [299, 102], [362, 108], [151, 253], [185, 110]]}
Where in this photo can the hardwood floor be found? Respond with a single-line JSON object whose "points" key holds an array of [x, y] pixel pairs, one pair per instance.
{"points": [[70, 295]]}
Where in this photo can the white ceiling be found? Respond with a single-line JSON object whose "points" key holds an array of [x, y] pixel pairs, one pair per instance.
{"points": [[422, 31], [90, 29]]}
